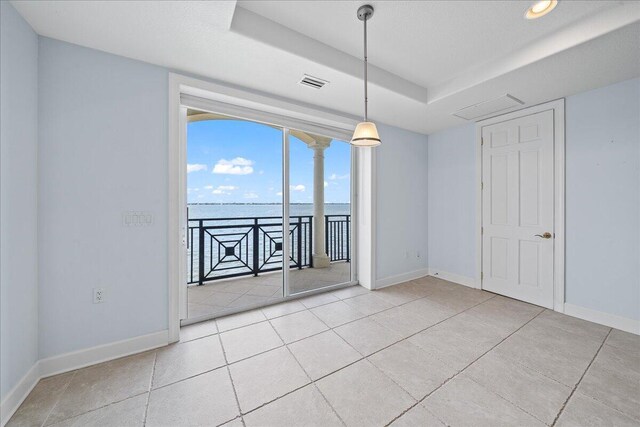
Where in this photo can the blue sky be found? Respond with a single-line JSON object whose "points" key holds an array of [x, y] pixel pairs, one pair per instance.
{"points": [[233, 161]]}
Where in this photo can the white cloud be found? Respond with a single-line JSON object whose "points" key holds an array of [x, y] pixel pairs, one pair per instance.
{"points": [[334, 176], [250, 195], [192, 190], [224, 189], [236, 166], [208, 187], [298, 187], [326, 184], [196, 167], [279, 193]]}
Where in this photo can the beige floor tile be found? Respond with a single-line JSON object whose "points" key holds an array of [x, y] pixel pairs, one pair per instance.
{"points": [[36, 407], [402, 321], [294, 327], [324, 353], [183, 360], [431, 311], [105, 383], [337, 313], [396, 295], [583, 411], [319, 299], [249, 340], [127, 413], [457, 341], [283, 309], [195, 310], [462, 402], [559, 339], [504, 313], [538, 395], [367, 336], [545, 358], [240, 286], [458, 299], [198, 293], [236, 422], [415, 287], [350, 292], [368, 304], [247, 301], [239, 320], [432, 282], [205, 400], [265, 377], [418, 416], [265, 290], [617, 389], [220, 299], [364, 396], [619, 360], [198, 330], [305, 407], [573, 325], [624, 340], [412, 368]]}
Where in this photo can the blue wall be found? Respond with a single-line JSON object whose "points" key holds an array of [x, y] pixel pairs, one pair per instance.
{"points": [[401, 179], [452, 201], [103, 151], [18, 193], [603, 199]]}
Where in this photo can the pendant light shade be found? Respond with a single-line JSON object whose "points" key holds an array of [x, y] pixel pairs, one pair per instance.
{"points": [[366, 133]]}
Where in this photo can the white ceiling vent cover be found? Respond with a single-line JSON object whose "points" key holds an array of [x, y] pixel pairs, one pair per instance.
{"points": [[313, 82], [486, 108]]}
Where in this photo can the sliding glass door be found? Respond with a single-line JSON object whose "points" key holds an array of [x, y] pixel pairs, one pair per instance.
{"points": [[256, 192]]}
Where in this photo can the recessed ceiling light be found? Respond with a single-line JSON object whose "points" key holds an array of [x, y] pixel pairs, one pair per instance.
{"points": [[540, 8]]}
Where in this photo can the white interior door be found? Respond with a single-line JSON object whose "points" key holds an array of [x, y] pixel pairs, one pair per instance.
{"points": [[517, 208]]}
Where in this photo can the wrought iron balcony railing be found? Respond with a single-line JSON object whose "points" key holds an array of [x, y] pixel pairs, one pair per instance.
{"points": [[220, 248]]}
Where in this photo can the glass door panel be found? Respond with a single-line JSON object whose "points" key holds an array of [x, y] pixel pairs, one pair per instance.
{"points": [[319, 212], [235, 227]]}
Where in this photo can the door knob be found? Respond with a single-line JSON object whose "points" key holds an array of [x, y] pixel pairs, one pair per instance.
{"points": [[546, 235]]}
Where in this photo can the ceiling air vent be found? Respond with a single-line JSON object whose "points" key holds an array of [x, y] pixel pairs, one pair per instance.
{"points": [[313, 82], [489, 107]]}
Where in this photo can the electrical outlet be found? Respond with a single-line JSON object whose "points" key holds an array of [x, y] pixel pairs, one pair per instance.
{"points": [[99, 295]]}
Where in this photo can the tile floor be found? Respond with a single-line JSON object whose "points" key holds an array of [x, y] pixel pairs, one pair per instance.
{"points": [[423, 353], [215, 298]]}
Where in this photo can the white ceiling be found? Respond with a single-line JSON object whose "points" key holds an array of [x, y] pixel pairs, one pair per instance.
{"points": [[429, 58]]}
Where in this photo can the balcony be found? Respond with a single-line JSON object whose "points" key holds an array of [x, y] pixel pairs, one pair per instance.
{"points": [[236, 263]]}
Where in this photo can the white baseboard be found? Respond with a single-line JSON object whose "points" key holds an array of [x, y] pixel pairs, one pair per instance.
{"points": [[455, 278], [611, 320], [18, 393], [102, 353], [75, 360], [400, 278]]}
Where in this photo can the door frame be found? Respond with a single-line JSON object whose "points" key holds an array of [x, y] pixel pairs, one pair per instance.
{"points": [[261, 107], [558, 107]]}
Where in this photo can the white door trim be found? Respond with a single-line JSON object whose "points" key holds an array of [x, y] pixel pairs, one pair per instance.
{"points": [[559, 192], [336, 125]]}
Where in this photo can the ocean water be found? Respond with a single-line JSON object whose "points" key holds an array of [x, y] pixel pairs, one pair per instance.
{"points": [[197, 211]]}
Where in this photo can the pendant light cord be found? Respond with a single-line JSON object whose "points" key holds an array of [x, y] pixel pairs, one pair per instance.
{"points": [[365, 69]]}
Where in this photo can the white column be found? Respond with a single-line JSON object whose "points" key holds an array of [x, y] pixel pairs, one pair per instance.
{"points": [[320, 258]]}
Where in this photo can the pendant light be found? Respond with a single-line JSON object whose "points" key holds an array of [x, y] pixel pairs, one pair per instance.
{"points": [[366, 133]]}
